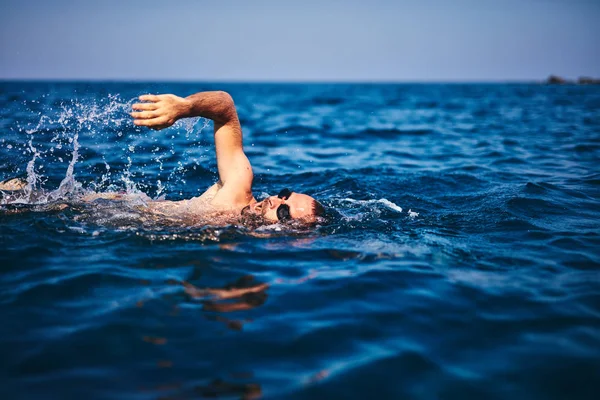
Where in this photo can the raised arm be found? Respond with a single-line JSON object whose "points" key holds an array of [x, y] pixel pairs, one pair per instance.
{"points": [[235, 172]]}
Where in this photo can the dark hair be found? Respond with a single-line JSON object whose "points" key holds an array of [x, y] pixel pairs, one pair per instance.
{"points": [[317, 209]]}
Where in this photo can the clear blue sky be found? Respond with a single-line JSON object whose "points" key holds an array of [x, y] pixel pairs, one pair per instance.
{"points": [[304, 40]]}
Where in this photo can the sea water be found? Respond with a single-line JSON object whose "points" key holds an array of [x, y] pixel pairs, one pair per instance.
{"points": [[462, 260]]}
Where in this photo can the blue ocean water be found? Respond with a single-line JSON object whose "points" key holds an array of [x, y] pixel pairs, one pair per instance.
{"points": [[462, 262]]}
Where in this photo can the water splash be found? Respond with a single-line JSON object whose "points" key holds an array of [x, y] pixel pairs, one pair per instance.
{"points": [[32, 177], [68, 184], [412, 214], [73, 130]]}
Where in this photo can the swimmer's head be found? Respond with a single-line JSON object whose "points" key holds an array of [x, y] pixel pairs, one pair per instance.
{"points": [[287, 205]]}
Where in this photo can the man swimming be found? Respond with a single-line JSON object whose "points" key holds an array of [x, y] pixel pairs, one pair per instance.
{"points": [[232, 194]]}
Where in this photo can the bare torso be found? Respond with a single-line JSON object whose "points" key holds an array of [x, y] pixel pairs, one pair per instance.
{"points": [[200, 209]]}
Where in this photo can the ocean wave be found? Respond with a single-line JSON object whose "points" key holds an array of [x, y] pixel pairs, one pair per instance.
{"points": [[454, 236]]}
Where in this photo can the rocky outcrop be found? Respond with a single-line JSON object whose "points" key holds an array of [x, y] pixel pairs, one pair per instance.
{"points": [[556, 80], [586, 80], [582, 80]]}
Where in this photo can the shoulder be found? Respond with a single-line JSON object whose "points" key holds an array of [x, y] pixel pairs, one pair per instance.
{"points": [[232, 197], [210, 193]]}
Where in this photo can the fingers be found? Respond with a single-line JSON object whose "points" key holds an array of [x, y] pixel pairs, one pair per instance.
{"points": [[144, 115], [148, 115], [154, 123], [144, 106], [149, 97], [148, 122]]}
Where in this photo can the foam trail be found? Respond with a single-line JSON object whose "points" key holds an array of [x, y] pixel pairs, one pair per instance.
{"points": [[391, 205], [385, 202]]}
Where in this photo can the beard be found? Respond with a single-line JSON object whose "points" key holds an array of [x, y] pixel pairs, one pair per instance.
{"points": [[251, 219]]}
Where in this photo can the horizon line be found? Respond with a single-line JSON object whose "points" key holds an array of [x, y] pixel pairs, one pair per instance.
{"points": [[259, 81]]}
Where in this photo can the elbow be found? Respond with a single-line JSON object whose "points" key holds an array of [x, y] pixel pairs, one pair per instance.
{"points": [[226, 106], [224, 97]]}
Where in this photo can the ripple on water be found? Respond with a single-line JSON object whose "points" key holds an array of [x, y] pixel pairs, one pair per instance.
{"points": [[460, 259]]}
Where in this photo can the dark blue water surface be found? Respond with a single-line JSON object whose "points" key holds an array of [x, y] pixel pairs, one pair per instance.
{"points": [[489, 288]]}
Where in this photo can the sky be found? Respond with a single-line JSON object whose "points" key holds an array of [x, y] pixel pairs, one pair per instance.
{"points": [[303, 40]]}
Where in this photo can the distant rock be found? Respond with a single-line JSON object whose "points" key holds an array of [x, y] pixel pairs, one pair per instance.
{"points": [[556, 80], [586, 80], [583, 80]]}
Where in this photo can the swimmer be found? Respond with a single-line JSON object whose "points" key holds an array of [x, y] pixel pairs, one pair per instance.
{"points": [[232, 194], [233, 191]]}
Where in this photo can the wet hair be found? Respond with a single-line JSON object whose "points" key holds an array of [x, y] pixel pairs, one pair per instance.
{"points": [[317, 209]]}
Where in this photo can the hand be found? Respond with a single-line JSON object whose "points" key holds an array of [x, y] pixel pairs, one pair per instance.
{"points": [[159, 111]]}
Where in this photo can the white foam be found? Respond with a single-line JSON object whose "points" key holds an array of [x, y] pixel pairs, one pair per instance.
{"points": [[391, 205], [385, 202]]}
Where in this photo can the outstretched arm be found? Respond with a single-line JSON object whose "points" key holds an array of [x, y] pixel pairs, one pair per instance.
{"points": [[235, 173]]}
